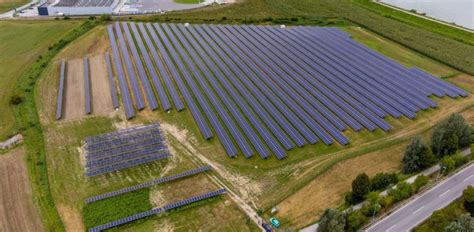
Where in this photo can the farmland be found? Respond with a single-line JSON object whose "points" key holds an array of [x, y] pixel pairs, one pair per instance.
{"points": [[6, 5]]}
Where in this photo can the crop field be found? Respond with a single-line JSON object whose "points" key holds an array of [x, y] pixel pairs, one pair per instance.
{"points": [[264, 183], [319, 94]]}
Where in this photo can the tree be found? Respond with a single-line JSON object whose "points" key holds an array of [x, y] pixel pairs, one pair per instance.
{"points": [[402, 191], [382, 181], [16, 100], [464, 224], [361, 186], [468, 196], [372, 207], [332, 221], [451, 135], [459, 159], [420, 181], [417, 156]]}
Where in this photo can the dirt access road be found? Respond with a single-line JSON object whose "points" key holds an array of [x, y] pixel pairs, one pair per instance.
{"points": [[17, 211]]}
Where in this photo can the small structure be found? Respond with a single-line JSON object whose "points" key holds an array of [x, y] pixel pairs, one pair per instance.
{"points": [[11, 141]]}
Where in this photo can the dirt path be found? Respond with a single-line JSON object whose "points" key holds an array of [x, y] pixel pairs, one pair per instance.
{"points": [[181, 137], [100, 90], [17, 211], [74, 89]]}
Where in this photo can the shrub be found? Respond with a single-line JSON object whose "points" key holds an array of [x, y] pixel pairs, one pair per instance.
{"points": [[15, 100], [459, 160], [447, 164], [420, 181], [383, 180], [386, 201], [361, 186], [402, 191], [468, 196], [105, 17], [355, 220], [332, 221], [450, 135], [464, 223], [350, 199]]}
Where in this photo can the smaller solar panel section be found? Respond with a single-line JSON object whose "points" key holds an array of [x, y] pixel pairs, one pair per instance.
{"points": [[113, 90], [148, 184], [87, 86], [59, 103], [123, 149], [157, 210]]}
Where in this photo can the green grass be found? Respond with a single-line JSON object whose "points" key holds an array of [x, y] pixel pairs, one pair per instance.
{"points": [[188, 1], [416, 36], [21, 43], [115, 208], [27, 122], [6, 6]]}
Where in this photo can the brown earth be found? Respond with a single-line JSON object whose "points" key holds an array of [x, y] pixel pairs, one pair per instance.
{"points": [[74, 90], [71, 218], [17, 211], [100, 88]]}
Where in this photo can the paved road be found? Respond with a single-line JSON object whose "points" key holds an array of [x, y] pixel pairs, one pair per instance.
{"points": [[420, 208]]}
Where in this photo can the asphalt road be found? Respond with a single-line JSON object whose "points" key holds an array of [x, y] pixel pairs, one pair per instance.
{"points": [[420, 208]]}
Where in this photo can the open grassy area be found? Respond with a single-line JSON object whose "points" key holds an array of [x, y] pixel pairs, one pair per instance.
{"points": [[6, 5], [21, 43], [188, 1], [415, 35]]}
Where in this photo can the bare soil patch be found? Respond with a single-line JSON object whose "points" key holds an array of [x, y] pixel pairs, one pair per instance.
{"points": [[72, 218], [17, 211], [100, 89], [328, 190], [465, 81], [74, 90]]}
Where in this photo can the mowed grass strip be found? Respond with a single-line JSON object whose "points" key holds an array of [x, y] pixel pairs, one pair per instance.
{"points": [[21, 43], [7, 5]]}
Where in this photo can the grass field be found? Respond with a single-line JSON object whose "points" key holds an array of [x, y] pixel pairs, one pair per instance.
{"points": [[6, 5], [21, 43], [265, 183], [188, 1]]}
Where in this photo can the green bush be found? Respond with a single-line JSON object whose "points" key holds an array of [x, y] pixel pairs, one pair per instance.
{"points": [[420, 181], [401, 192], [417, 156], [387, 201], [15, 100], [355, 220], [468, 196], [383, 180], [361, 186], [332, 221], [447, 164], [459, 160]]}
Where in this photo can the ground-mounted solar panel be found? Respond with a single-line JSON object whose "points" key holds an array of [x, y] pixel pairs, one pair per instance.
{"points": [[195, 111], [151, 69], [59, 102], [87, 86], [113, 90], [268, 88], [150, 96], [157, 210], [124, 91], [148, 184], [124, 149], [137, 93]]}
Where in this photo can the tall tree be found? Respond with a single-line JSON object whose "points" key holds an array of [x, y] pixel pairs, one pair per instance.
{"points": [[468, 196], [450, 135], [464, 224], [361, 186], [417, 156], [332, 221]]}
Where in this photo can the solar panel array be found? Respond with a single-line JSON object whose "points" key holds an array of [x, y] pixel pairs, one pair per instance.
{"points": [[59, 103], [113, 90], [84, 3], [157, 210], [87, 86], [124, 149], [266, 90], [148, 184]]}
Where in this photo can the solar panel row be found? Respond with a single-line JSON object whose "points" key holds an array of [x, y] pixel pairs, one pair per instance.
{"points": [[59, 103], [87, 86], [157, 210], [271, 89], [122, 133], [113, 90], [124, 92], [148, 184]]}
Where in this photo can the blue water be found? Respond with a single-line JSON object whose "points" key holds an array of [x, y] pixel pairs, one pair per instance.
{"points": [[460, 12]]}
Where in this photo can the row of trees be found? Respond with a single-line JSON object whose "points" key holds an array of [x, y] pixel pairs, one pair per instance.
{"points": [[362, 185], [447, 138]]}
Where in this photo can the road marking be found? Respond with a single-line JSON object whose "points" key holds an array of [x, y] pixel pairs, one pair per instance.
{"points": [[442, 194], [467, 178], [391, 227], [416, 211]]}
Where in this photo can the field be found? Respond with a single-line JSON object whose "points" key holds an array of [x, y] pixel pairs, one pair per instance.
{"points": [[262, 184], [21, 43], [6, 5], [17, 210]]}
